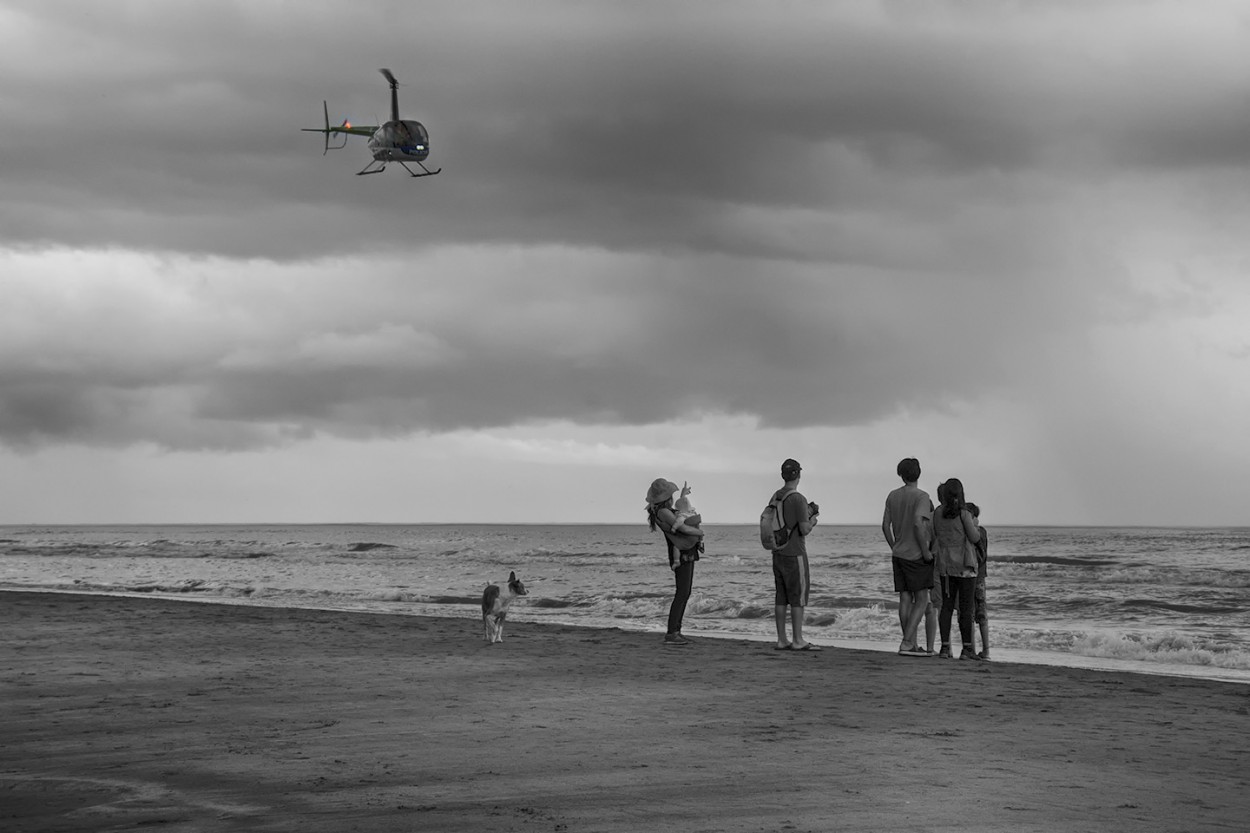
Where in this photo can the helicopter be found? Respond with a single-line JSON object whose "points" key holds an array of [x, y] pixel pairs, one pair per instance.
{"points": [[399, 140]]}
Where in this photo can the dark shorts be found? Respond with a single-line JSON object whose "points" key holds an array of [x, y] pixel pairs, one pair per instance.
{"points": [[792, 579], [910, 576], [979, 610]]}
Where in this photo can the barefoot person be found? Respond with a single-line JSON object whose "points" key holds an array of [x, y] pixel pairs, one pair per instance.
{"points": [[905, 525], [684, 542], [791, 577]]}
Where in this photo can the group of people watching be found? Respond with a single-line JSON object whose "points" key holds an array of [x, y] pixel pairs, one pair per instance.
{"points": [[940, 549], [933, 549]]}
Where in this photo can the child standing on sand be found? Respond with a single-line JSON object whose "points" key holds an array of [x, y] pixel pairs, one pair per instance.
{"points": [[979, 610]]}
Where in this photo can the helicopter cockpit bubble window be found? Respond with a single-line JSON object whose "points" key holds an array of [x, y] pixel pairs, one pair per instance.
{"points": [[409, 135], [417, 131]]}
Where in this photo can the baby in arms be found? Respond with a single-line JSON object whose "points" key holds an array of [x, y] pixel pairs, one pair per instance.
{"points": [[686, 514]]}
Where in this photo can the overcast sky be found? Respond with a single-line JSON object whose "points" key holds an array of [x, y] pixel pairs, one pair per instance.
{"points": [[679, 239]]}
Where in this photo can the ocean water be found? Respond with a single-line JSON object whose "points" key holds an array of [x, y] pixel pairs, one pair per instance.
{"points": [[1160, 600]]}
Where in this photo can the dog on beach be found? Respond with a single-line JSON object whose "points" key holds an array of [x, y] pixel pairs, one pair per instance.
{"points": [[495, 604]]}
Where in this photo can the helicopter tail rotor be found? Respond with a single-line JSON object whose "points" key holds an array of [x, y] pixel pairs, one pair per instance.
{"points": [[327, 130], [325, 111]]}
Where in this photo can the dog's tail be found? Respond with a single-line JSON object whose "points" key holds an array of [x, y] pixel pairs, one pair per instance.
{"points": [[489, 595]]}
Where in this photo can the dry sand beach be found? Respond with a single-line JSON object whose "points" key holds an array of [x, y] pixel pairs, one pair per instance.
{"points": [[125, 713]]}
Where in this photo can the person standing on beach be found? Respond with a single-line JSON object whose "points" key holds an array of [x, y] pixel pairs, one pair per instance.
{"points": [[956, 534], [791, 576], [684, 542], [906, 526], [980, 615]]}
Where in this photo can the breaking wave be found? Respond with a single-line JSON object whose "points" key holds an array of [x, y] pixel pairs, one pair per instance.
{"points": [[1167, 649]]}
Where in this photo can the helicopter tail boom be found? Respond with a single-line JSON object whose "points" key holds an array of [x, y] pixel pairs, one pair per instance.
{"points": [[346, 129]]}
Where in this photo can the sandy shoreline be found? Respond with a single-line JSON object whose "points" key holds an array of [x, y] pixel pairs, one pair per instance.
{"points": [[171, 716]]}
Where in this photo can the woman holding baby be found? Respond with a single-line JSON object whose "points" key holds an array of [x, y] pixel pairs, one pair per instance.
{"points": [[680, 525]]}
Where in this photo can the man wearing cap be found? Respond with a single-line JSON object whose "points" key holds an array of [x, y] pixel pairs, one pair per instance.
{"points": [[790, 572]]}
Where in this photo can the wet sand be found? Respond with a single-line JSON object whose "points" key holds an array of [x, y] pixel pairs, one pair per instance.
{"points": [[125, 713]]}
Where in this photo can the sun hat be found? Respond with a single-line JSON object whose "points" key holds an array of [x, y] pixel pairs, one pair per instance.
{"points": [[661, 490], [790, 469]]}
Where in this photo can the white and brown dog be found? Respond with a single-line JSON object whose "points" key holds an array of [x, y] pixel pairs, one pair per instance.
{"points": [[495, 604]]}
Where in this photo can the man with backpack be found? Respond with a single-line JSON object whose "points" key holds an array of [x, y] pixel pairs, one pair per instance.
{"points": [[790, 572]]}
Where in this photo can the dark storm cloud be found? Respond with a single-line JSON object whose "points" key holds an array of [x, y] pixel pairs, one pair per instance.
{"points": [[173, 126], [211, 360], [814, 214]]}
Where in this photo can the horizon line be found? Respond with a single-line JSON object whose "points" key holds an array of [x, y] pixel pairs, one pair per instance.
{"points": [[9, 524]]}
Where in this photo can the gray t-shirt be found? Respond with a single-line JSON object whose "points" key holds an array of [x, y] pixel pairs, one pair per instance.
{"points": [[906, 509]]}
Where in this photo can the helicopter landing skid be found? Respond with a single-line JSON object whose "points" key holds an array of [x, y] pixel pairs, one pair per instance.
{"points": [[428, 172], [381, 166]]}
